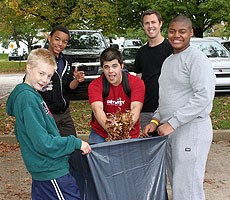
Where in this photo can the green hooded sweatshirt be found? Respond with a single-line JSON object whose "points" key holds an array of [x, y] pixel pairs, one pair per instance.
{"points": [[44, 151]]}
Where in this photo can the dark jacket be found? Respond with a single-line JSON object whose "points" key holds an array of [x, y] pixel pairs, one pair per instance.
{"points": [[56, 93]]}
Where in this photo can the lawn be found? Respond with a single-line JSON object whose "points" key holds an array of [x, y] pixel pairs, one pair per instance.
{"points": [[81, 114], [11, 66]]}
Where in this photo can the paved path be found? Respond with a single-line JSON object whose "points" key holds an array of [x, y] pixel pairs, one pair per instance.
{"points": [[7, 83], [15, 182]]}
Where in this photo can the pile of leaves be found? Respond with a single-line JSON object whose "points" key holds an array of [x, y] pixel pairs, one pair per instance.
{"points": [[118, 125]]}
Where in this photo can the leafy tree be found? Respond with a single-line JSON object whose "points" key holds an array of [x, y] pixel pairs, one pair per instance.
{"points": [[82, 14], [203, 13], [22, 19], [16, 26]]}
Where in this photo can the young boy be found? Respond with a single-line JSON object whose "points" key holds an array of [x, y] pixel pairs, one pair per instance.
{"points": [[64, 80], [112, 66], [44, 151]]}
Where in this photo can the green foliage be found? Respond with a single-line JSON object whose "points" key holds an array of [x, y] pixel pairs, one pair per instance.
{"points": [[135, 34], [202, 13], [21, 20], [17, 25]]}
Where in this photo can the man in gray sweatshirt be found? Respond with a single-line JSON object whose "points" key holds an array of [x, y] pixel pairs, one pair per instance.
{"points": [[186, 92]]}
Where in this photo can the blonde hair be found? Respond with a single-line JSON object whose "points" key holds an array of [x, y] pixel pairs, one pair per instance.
{"points": [[41, 55]]}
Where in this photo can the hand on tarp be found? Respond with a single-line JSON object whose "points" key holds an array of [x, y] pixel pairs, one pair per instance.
{"points": [[85, 148]]}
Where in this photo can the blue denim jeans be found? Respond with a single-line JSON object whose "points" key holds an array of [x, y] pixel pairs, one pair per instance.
{"points": [[94, 138]]}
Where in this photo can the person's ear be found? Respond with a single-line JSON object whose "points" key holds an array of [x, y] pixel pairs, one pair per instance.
{"points": [[49, 38], [192, 32], [161, 23], [122, 65], [28, 66]]}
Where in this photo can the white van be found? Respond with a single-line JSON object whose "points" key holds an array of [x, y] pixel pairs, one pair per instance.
{"points": [[18, 54]]}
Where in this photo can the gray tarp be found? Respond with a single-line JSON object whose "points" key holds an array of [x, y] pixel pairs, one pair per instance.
{"points": [[132, 169]]}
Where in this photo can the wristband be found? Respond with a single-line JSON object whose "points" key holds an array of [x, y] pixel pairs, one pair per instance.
{"points": [[155, 122]]}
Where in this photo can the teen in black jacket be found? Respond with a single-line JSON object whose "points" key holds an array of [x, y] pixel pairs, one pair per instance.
{"points": [[65, 79]]}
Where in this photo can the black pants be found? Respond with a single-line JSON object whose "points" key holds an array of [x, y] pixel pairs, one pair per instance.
{"points": [[65, 123]]}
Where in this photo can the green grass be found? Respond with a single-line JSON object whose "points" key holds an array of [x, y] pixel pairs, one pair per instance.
{"points": [[81, 114], [11, 66], [3, 57], [221, 113]]}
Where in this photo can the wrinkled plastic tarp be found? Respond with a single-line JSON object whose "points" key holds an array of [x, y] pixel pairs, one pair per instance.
{"points": [[132, 169]]}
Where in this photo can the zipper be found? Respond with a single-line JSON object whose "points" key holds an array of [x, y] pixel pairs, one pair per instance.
{"points": [[60, 79]]}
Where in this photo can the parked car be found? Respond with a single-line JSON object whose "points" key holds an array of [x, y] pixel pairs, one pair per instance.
{"points": [[129, 49], [129, 54], [220, 58], [36, 46], [84, 48], [132, 43], [18, 54], [226, 44]]}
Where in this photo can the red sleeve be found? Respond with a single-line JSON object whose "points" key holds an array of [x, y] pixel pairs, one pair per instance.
{"points": [[137, 88], [95, 90]]}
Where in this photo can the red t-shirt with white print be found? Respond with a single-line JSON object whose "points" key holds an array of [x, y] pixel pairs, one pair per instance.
{"points": [[117, 99]]}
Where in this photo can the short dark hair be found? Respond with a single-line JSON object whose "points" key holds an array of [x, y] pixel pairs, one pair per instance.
{"points": [[150, 12], [182, 18], [59, 28], [111, 54]]}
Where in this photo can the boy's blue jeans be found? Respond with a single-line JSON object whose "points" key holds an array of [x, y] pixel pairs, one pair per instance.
{"points": [[94, 138]]}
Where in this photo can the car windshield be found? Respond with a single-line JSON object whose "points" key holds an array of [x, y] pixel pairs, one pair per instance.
{"points": [[212, 49], [85, 40]]}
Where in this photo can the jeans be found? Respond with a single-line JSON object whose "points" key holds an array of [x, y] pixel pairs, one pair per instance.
{"points": [[94, 138]]}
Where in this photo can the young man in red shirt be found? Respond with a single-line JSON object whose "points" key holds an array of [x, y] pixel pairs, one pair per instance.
{"points": [[112, 65]]}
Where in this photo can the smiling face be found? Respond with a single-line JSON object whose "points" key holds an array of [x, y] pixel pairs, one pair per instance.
{"points": [[113, 71], [152, 26], [179, 34], [58, 42], [39, 76], [40, 67]]}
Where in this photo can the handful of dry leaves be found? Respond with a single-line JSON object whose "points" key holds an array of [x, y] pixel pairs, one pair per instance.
{"points": [[118, 125]]}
